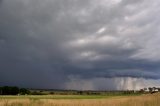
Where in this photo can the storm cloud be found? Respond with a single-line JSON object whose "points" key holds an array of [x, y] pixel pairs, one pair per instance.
{"points": [[59, 43]]}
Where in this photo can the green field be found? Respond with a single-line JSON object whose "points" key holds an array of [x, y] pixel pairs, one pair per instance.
{"points": [[56, 97], [109, 95]]}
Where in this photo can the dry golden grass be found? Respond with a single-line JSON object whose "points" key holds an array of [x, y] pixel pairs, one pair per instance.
{"points": [[143, 100]]}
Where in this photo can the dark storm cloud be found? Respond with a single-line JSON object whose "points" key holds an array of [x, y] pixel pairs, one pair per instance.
{"points": [[43, 43], [1, 1]]}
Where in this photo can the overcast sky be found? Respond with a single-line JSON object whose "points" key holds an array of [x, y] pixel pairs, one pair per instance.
{"points": [[80, 44]]}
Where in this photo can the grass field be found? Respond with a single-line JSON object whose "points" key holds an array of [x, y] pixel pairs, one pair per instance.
{"points": [[76, 100]]}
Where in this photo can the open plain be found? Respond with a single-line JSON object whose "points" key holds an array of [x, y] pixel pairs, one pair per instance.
{"points": [[75, 100]]}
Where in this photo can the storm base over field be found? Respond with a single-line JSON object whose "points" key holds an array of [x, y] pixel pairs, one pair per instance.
{"points": [[80, 44]]}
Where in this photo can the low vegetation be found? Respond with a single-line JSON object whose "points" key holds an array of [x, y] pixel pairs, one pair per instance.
{"points": [[141, 100], [8, 90], [14, 96]]}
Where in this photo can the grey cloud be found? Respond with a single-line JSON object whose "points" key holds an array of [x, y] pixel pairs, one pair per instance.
{"points": [[46, 42]]}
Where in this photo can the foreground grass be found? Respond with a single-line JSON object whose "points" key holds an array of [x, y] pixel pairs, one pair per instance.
{"points": [[70, 100]]}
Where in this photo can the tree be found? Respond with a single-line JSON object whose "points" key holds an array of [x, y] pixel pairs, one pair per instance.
{"points": [[0, 90], [6, 90], [150, 89], [24, 91], [14, 90]]}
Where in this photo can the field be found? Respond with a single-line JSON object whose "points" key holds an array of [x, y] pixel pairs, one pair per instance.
{"points": [[83, 100]]}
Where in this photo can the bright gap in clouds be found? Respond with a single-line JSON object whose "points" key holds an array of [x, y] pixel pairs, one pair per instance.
{"points": [[101, 30]]}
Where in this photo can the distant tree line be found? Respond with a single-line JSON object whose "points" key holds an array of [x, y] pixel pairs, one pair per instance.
{"points": [[9, 90], [153, 89], [87, 92], [150, 90]]}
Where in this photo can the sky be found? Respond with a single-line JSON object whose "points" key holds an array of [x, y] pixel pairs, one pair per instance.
{"points": [[80, 44]]}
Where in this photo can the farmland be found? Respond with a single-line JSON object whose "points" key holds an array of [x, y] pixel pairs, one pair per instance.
{"points": [[81, 100]]}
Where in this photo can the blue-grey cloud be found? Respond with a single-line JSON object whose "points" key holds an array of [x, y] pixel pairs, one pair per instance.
{"points": [[43, 43]]}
